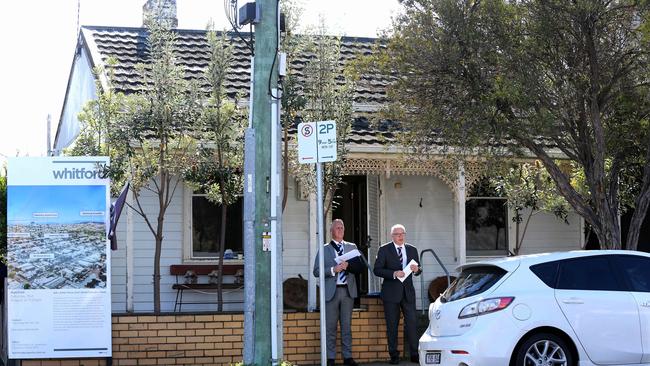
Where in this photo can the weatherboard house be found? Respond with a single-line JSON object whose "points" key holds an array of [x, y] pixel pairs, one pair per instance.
{"points": [[435, 198]]}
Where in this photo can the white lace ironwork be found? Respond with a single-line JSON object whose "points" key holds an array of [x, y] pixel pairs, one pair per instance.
{"points": [[444, 169]]}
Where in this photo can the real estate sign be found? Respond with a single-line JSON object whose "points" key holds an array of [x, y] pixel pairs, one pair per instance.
{"points": [[58, 283]]}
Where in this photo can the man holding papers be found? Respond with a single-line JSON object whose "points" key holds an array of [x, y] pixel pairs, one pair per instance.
{"points": [[340, 290], [396, 263]]}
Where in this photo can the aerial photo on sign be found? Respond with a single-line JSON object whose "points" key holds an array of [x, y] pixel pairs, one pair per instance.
{"points": [[56, 237]]}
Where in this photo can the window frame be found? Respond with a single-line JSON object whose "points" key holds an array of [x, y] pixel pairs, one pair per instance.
{"points": [[510, 240], [188, 245]]}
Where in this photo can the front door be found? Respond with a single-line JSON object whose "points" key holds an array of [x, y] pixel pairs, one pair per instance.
{"points": [[350, 205]]}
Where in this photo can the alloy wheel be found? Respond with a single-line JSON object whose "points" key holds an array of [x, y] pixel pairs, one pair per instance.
{"points": [[545, 352]]}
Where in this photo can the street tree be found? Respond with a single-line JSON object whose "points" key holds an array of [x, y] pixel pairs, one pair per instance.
{"points": [[530, 191], [216, 169], [154, 135], [328, 91], [553, 78], [293, 101], [149, 135], [95, 119]]}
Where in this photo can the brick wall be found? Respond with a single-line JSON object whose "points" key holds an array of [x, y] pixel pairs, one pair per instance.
{"points": [[217, 339]]}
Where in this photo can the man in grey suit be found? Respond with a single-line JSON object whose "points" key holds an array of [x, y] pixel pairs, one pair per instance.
{"points": [[340, 291], [392, 259]]}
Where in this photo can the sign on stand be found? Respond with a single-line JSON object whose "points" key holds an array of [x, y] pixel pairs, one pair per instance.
{"points": [[316, 142], [58, 258]]}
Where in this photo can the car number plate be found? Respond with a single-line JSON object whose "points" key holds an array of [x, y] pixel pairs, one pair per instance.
{"points": [[432, 358]]}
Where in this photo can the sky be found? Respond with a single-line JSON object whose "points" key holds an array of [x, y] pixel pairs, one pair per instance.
{"points": [[38, 39], [62, 204]]}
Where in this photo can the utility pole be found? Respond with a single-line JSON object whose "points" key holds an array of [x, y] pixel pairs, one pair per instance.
{"points": [[265, 81]]}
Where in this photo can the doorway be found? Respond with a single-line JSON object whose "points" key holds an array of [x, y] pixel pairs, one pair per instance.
{"points": [[350, 205]]}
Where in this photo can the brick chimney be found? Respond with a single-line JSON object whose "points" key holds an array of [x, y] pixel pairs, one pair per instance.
{"points": [[164, 11]]}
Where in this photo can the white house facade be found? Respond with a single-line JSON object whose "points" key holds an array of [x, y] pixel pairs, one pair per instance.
{"points": [[432, 198]]}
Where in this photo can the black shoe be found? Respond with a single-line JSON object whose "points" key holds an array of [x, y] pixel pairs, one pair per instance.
{"points": [[330, 362], [415, 359], [394, 360], [350, 361]]}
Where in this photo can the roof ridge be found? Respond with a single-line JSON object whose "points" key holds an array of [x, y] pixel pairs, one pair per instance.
{"points": [[203, 31]]}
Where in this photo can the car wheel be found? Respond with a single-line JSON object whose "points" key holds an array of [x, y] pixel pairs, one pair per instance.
{"points": [[544, 349]]}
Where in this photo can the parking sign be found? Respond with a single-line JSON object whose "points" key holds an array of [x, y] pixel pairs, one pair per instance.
{"points": [[316, 142]]}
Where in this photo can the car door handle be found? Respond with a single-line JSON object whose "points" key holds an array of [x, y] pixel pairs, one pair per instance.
{"points": [[573, 300]]}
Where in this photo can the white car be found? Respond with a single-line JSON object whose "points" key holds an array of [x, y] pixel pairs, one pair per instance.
{"points": [[570, 308]]}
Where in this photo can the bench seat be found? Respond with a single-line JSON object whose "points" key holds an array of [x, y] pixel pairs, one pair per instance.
{"points": [[202, 271]]}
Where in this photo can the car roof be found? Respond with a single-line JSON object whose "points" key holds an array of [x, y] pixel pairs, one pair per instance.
{"points": [[511, 263]]}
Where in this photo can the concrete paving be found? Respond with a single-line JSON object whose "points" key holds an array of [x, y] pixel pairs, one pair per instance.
{"points": [[403, 363]]}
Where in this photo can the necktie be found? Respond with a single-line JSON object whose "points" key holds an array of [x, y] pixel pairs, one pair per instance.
{"points": [[342, 274], [399, 254]]}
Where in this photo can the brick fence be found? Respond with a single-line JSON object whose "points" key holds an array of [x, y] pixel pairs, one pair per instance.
{"points": [[217, 339]]}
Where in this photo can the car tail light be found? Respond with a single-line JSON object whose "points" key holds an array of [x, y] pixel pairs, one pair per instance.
{"points": [[485, 307]]}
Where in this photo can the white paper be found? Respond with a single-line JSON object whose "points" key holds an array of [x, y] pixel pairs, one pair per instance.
{"points": [[407, 270], [347, 256]]}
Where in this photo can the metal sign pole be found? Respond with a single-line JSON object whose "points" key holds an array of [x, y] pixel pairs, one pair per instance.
{"points": [[321, 262], [317, 144]]}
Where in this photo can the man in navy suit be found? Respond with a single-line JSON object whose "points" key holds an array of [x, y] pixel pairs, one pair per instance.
{"points": [[340, 291], [397, 295]]}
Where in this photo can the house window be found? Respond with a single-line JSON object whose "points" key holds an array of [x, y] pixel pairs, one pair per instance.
{"points": [[486, 222], [206, 228]]}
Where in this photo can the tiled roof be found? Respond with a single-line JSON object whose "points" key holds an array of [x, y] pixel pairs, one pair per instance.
{"points": [[128, 47]]}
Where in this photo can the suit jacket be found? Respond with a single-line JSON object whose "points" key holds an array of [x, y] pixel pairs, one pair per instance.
{"points": [[329, 262], [387, 262]]}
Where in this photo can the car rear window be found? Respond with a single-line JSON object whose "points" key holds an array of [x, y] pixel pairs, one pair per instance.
{"points": [[473, 281], [636, 271]]}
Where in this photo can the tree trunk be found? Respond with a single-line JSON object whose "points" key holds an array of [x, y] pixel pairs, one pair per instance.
{"points": [[222, 249], [641, 207], [222, 232], [635, 224], [162, 192], [520, 241], [517, 241], [156, 275], [604, 197], [609, 234], [602, 213]]}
